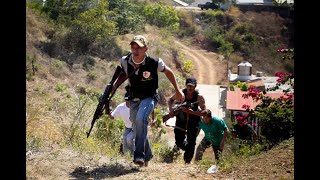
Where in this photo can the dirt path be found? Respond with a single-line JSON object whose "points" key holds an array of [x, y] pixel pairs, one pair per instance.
{"points": [[204, 61]]}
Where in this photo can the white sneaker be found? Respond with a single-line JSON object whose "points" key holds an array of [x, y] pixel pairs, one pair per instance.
{"points": [[212, 169]]}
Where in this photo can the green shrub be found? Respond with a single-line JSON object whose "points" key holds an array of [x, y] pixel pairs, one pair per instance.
{"points": [[163, 152], [231, 87], [276, 121], [162, 15], [34, 4], [109, 130], [205, 163], [92, 25], [247, 150], [88, 62], [127, 15], [187, 66], [239, 84], [92, 75], [60, 87], [244, 87], [57, 67], [215, 15]]}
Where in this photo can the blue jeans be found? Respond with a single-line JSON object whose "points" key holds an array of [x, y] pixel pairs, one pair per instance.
{"points": [[139, 113], [127, 141]]}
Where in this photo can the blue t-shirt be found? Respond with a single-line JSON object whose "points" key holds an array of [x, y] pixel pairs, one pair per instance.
{"points": [[214, 132]]}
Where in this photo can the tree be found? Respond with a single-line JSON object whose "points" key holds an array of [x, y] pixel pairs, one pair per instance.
{"points": [[91, 25]]}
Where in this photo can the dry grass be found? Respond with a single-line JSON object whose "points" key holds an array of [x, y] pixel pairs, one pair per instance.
{"points": [[234, 12], [66, 163]]}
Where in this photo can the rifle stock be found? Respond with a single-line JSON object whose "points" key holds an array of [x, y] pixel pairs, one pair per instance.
{"points": [[104, 100], [178, 108]]}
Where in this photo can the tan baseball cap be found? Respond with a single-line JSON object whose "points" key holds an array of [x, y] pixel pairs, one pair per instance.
{"points": [[140, 40]]}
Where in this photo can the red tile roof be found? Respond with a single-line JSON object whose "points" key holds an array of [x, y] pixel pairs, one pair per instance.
{"points": [[235, 101]]}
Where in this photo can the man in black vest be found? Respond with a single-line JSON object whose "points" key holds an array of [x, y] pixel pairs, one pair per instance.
{"points": [[142, 71], [186, 129]]}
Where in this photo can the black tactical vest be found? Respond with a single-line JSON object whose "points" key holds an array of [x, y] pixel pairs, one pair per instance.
{"points": [[195, 107], [144, 82]]}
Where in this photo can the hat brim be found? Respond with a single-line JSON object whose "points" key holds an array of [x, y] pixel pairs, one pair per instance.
{"points": [[191, 84], [138, 42]]}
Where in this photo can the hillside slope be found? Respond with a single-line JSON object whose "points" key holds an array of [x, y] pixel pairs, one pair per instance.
{"points": [[60, 164], [46, 115]]}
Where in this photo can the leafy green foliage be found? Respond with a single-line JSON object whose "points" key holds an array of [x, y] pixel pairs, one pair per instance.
{"points": [[163, 152], [53, 8], [242, 38], [213, 16], [93, 23], [231, 86], [242, 86], [162, 16], [226, 48], [277, 121], [128, 16], [92, 75], [57, 67], [276, 116], [157, 128], [215, 34], [88, 62], [187, 66], [60, 87], [34, 4], [65, 10], [109, 130]]}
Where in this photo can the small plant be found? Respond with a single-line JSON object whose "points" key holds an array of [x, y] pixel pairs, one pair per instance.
{"points": [[187, 66], [57, 67], [31, 68], [205, 162], [157, 129], [239, 84], [34, 143], [163, 152], [244, 87], [60, 87], [231, 87], [92, 75], [246, 150], [89, 62]]}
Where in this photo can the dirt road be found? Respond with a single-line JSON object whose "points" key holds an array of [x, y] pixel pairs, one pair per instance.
{"points": [[207, 66]]}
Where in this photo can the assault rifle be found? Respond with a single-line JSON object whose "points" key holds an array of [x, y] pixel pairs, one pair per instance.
{"points": [[177, 108], [104, 100]]}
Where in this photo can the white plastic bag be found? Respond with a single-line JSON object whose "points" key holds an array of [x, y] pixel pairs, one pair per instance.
{"points": [[212, 169]]}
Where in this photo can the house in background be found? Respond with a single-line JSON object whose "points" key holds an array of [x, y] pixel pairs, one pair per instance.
{"points": [[234, 99], [235, 102], [244, 74]]}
